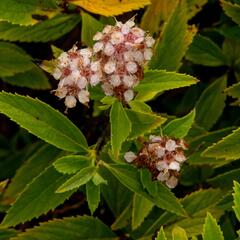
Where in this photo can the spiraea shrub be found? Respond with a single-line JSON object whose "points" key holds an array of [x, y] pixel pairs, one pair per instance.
{"points": [[119, 119]]}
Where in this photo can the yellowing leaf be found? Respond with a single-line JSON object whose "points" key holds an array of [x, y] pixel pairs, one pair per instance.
{"points": [[110, 7]]}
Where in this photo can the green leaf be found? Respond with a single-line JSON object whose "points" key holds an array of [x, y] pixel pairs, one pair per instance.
{"points": [[236, 199], [232, 10], [161, 235], [43, 121], [72, 163], [205, 52], [123, 219], [231, 49], [180, 127], [195, 6], [158, 81], [211, 231], [41, 158], [90, 26], [172, 43], [228, 147], [33, 78], [196, 205], [143, 123], [129, 177], [37, 198], [93, 196], [162, 195], [116, 195], [234, 90], [226, 179], [56, 51], [79, 179], [211, 103], [140, 210], [22, 12], [13, 60], [70, 228], [139, 106], [120, 127], [48, 30], [200, 143], [179, 233], [6, 234]]}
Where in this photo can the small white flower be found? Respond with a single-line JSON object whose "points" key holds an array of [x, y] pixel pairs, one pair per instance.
{"points": [[138, 32], [128, 95], [154, 138], [98, 36], [139, 40], [63, 57], [170, 145], [57, 73], [76, 75], [82, 82], [97, 47], [128, 81], [152, 147], [138, 57], [110, 67], [160, 152], [130, 157], [95, 66], [86, 61], [130, 23], [128, 56], [83, 96], [131, 67], [172, 182], [163, 176], [61, 92], [107, 29], [95, 79], [109, 49], [117, 38], [125, 29], [161, 165], [148, 54], [66, 81], [149, 41], [115, 80], [86, 52], [174, 166], [179, 157], [107, 88], [70, 101]]}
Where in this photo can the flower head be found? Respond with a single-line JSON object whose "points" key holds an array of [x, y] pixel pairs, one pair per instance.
{"points": [[123, 50], [163, 156], [75, 70]]}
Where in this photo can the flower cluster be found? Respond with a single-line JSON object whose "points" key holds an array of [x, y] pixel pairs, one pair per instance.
{"points": [[123, 50], [116, 61], [75, 70], [163, 156]]}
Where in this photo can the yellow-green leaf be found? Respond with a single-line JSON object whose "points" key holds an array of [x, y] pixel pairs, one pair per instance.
{"points": [[110, 7], [236, 199], [161, 235], [211, 230], [179, 233], [120, 127]]}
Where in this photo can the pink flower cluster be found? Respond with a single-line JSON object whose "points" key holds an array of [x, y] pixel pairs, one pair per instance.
{"points": [[116, 61], [163, 156]]}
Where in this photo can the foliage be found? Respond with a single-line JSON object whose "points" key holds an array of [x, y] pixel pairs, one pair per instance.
{"points": [[89, 171]]}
